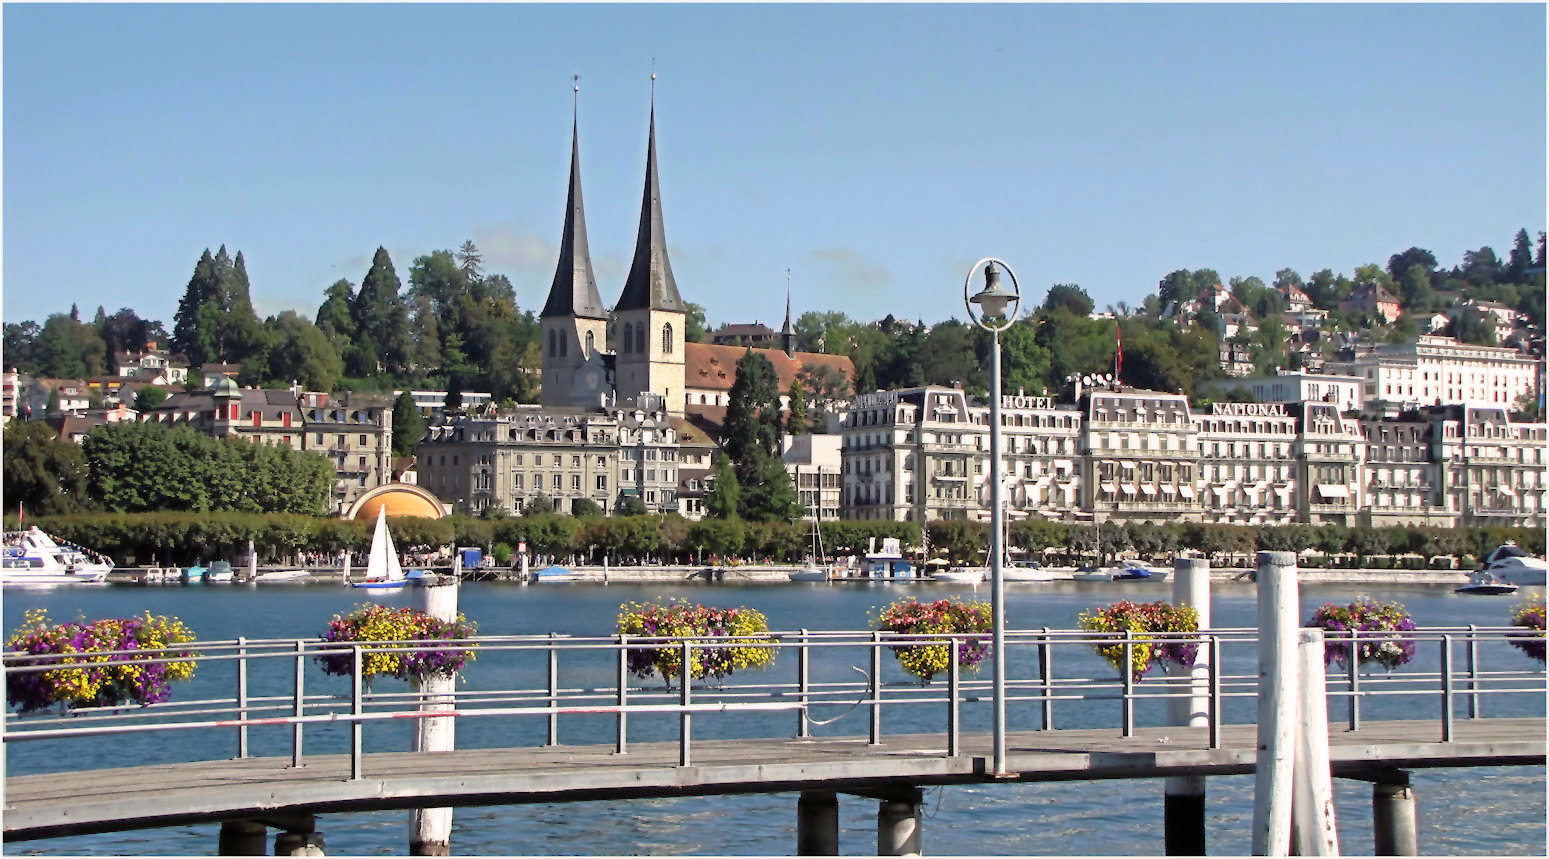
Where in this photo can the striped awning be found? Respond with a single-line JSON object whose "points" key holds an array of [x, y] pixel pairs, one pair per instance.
{"points": [[1329, 490], [1148, 489], [1186, 490], [1108, 488]]}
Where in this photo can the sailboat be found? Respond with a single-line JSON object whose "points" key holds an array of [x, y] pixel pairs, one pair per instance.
{"points": [[812, 570], [383, 571]]}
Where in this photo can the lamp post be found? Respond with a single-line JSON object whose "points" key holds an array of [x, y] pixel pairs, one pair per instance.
{"points": [[994, 302]]}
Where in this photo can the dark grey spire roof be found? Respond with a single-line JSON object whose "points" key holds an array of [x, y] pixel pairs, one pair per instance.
{"points": [[574, 292], [786, 328], [650, 283]]}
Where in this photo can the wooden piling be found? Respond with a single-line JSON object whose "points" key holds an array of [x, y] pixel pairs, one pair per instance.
{"points": [[243, 838], [430, 829], [1312, 805], [1184, 798], [1277, 616]]}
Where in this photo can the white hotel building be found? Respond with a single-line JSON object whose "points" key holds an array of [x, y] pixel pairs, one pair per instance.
{"points": [[922, 454], [1439, 370]]}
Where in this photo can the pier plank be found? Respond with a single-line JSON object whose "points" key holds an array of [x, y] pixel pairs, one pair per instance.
{"points": [[65, 803]]}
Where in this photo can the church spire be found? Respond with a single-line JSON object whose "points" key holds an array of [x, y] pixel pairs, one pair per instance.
{"points": [[650, 284], [574, 291], [787, 333]]}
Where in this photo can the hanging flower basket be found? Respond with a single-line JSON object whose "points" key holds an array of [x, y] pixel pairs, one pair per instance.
{"points": [[1529, 614], [727, 639], [945, 616], [398, 628], [1144, 621], [1380, 637], [96, 673]]}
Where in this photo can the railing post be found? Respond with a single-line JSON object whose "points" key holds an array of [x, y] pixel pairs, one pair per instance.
{"points": [[875, 690], [1473, 672], [953, 675], [685, 718], [357, 708], [1215, 691], [1127, 707], [1353, 672], [298, 704], [1446, 687], [620, 744], [803, 679], [1046, 674], [553, 691], [242, 696]]}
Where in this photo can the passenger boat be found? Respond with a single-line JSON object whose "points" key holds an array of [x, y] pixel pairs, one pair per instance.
{"points": [[1485, 584], [1510, 565], [32, 558], [193, 575], [383, 570], [219, 573]]}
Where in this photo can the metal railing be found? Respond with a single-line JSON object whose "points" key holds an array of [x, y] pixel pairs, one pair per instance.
{"points": [[274, 685]]}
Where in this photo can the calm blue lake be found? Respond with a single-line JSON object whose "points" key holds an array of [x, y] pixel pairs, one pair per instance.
{"points": [[1464, 811]]}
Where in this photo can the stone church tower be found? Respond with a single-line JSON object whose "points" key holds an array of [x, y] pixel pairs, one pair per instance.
{"points": [[651, 316], [575, 322]]}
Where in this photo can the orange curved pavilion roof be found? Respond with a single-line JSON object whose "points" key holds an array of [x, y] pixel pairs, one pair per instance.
{"points": [[399, 499]]}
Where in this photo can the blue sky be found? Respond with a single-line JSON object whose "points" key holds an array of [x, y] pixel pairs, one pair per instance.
{"points": [[874, 150]]}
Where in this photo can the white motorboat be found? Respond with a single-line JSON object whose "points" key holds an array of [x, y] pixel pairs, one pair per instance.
{"points": [[961, 576], [383, 570], [1510, 565], [32, 558], [809, 572], [1485, 584], [219, 573], [555, 574], [1026, 571], [277, 577], [1129, 569]]}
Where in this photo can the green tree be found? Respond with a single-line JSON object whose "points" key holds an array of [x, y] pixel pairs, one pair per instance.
{"points": [[299, 351], [66, 348], [382, 321], [796, 418], [631, 505], [538, 506], [45, 473], [725, 497], [694, 324], [408, 425], [1072, 298], [149, 397]]}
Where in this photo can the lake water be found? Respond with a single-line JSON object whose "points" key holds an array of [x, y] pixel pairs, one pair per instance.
{"points": [[1474, 811]]}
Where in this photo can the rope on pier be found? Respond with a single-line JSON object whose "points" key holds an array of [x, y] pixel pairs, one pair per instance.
{"points": [[820, 722]]}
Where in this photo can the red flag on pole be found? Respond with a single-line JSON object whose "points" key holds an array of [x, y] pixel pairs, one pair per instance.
{"points": [[1118, 351], [22, 512]]}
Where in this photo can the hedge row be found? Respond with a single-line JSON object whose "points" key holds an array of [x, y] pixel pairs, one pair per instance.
{"points": [[181, 538]]}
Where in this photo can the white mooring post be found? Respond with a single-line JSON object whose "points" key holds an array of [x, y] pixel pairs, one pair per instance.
{"points": [[1277, 603], [346, 567], [1312, 806], [1184, 809], [430, 829]]}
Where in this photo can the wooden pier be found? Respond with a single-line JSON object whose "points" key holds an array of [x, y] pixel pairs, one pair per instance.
{"points": [[56, 804]]}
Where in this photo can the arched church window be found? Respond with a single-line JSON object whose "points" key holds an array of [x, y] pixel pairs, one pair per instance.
{"points": [[640, 339], [553, 344], [591, 344], [667, 339], [629, 338]]}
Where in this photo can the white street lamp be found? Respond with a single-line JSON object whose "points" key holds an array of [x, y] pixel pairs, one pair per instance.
{"points": [[994, 302]]}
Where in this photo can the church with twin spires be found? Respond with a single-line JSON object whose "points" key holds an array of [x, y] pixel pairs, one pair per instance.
{"points": [[649, 361]]}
